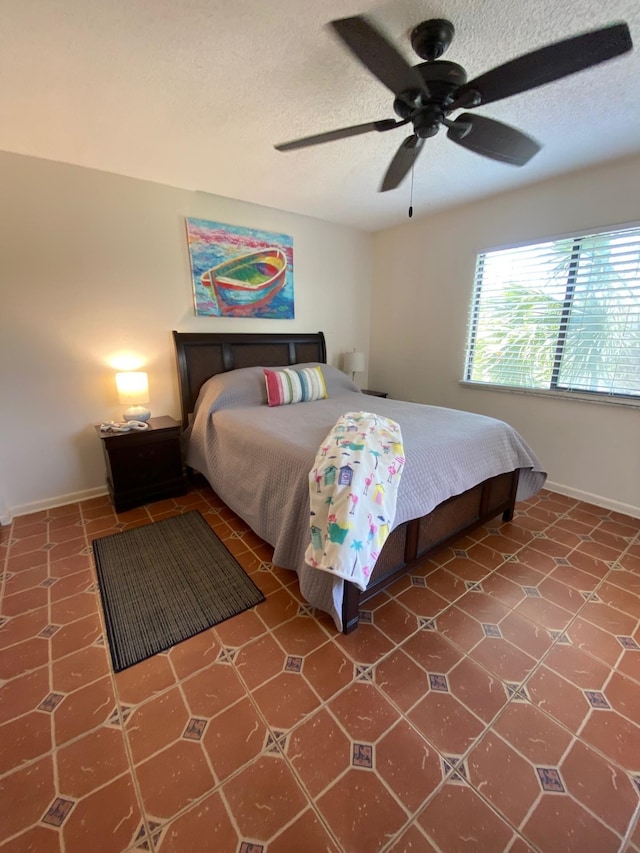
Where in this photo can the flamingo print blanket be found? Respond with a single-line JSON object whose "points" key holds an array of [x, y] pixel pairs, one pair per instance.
{"points": [[352, 490]]}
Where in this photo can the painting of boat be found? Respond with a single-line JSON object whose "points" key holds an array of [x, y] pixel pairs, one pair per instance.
{"points": [[246, 282], [240, 272]]}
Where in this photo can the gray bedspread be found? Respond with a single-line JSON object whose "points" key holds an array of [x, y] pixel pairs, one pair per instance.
{"points": [[258, 459]]}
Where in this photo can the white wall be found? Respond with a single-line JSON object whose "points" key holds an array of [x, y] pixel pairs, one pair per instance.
{"points": [[423, 277], [92, 264]]}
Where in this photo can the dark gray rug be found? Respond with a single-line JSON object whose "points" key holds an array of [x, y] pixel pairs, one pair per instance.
{"points": [[165, 582]]}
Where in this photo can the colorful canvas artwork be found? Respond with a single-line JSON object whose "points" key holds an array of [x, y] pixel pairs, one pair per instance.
{"points": [[240, 272]]}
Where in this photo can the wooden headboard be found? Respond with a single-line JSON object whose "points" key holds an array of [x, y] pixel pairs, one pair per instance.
{"points": [[203, 354]]}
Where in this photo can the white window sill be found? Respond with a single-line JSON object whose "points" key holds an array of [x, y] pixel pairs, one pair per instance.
{"points": [[574, 396]]}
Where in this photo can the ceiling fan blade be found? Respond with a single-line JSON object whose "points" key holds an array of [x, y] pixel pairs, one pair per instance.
{"points": [[342, 133], [376, 54], [492, 139], [404, 159], [544, 66]]}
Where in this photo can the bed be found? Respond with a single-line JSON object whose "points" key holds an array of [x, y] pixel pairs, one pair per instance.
{"points": [[461, 469]]}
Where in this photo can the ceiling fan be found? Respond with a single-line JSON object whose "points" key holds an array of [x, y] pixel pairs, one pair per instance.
{"points": [[425, 94]]}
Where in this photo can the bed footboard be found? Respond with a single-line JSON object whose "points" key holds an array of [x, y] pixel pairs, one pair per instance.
{"points": [[417, 539]]}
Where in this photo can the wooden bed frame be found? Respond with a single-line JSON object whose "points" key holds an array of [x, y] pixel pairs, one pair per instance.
{"points": [[203, 354]]}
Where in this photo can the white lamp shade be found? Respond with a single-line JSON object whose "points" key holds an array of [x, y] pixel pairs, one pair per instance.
{"points": [[354, 362], [133, 388]]}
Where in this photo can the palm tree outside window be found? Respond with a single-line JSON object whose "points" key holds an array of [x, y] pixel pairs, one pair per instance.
{"points": [[562, 315]]}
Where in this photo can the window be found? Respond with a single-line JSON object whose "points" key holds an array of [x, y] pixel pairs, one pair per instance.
{"points": [[561, 315]]}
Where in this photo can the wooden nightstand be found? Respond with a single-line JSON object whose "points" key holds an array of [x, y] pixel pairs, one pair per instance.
{"points": [[375, 393], [144, 466]]}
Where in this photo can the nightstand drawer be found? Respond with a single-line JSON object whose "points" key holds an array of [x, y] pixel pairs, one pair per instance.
{"points": [[147, 463]]}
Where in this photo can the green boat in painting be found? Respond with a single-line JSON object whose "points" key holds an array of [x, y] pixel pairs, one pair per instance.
{"points": [[247, 282]]}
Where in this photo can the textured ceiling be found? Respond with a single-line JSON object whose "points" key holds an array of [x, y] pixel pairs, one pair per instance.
{"points": [[195, 94]]}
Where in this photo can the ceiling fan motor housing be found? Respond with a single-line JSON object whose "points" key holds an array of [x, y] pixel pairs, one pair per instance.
{"points": [[442, 79]]}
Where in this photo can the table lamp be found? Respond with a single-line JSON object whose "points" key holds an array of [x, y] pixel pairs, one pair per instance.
{"points": [[354, 362], [133, 390]]}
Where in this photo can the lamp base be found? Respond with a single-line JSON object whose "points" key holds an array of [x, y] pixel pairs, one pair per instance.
{"points": [[136, 413]]}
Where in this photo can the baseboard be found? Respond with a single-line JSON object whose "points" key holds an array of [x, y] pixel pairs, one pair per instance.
{"points": [[50, 503], [73, 497], [616, 506]]}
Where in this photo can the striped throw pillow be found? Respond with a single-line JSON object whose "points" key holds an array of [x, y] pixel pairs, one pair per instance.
{"points": [[294, 386]]}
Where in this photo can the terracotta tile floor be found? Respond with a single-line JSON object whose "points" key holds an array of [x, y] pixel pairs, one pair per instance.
{"points": [[489, 701]]}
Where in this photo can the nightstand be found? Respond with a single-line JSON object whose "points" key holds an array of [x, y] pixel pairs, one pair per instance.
{"points": [[144, 466], [375, 393]]}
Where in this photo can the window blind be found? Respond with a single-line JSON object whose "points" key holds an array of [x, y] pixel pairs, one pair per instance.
{"points": [[563, 315]]}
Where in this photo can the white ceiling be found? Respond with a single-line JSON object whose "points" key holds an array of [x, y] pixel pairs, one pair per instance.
{"points": [[195, 93]]}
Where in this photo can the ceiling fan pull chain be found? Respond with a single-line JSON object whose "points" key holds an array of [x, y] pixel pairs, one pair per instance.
{"points": [[411, 196]]}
